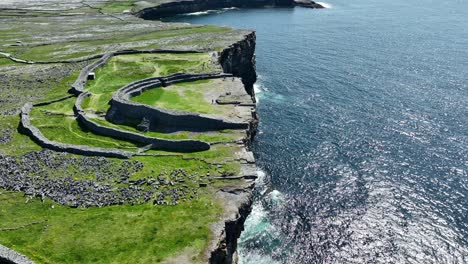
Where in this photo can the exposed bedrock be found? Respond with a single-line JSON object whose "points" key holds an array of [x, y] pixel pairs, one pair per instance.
{"points": [[8, 256], [239, 205], [190, 6]]}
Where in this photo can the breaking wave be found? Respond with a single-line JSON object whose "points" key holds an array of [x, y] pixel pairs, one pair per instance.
{"points": [[326, 5]]}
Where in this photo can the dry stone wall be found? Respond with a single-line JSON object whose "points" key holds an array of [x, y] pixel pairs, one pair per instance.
{"points": [[44, 142], [156, 143], [124, 111]]}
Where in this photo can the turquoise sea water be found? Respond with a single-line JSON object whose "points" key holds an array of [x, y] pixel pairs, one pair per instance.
{"points": [[363, 140]]}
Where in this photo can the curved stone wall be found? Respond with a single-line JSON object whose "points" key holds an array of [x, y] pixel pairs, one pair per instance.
{"points": [[122, 109], [44, 142], [156, 143]]}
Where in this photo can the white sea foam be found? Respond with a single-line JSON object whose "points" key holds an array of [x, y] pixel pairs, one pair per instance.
{"points": [[230, 8], [201, 13], [254, 257], [276, 197], [207, 12], [326, 5], [258, 89]]}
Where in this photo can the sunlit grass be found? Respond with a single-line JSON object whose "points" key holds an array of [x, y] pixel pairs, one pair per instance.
{"points": [[50, 233]]}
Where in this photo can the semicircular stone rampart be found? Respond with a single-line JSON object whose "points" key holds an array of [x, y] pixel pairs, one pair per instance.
{"points": [[125, 111], [187, 145], [35, 134]]}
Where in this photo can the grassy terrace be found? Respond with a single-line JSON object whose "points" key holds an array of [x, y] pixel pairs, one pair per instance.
{"points": [[189, 96], [151, 233], [62, 127], [48, 232]]}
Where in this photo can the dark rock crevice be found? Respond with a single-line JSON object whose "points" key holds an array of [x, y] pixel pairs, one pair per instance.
{"points": [[239, 60]]}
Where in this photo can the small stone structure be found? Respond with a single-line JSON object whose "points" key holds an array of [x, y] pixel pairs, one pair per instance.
{"points": [[91, 76]]}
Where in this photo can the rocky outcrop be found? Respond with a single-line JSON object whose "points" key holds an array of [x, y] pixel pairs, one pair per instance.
{"points": [[189, 6], [239, 60], [308, 4], [8, 256]]}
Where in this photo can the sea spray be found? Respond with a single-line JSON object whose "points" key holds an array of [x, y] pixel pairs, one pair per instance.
{"points": [[258, 225]]}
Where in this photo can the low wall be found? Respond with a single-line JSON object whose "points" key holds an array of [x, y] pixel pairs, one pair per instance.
{"points": [[156, 143], [122, 109], [44, 142]]}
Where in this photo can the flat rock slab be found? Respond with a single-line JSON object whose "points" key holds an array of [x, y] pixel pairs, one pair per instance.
{"points": [[10, 256]]}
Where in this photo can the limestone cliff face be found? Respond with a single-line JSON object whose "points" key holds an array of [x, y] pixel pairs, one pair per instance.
{"points": [[190, 6], [239, 205], [239, 60]]}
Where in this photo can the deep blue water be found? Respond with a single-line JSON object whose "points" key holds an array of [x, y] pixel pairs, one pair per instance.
{"points": [[363, 137]]}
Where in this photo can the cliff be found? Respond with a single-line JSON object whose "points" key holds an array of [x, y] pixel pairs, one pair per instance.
{"points": [[189, 6], [239, 60], [180, 7]]}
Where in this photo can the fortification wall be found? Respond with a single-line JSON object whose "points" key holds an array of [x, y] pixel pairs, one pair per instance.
{"points": [[44, 142], [78, 85], [156, 143], [125, 111], [122, 109]]}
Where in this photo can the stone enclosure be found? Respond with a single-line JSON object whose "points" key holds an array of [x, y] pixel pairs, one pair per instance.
{"points": [[125, 111]]}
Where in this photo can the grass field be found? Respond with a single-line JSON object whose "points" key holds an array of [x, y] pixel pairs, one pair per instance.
{"points": [[56, 122], [50, 233], [188, 96]]}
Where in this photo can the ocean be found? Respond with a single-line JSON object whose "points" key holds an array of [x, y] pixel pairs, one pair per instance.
{"points": [[363, 136]]}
